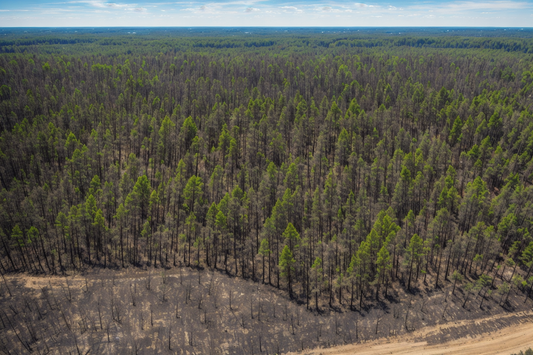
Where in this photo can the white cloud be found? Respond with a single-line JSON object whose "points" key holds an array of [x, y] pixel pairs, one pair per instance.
{"points": [[205, 9], [251, 9], [291, 9], [244, 2], [110, 5], [117, 6], [492, 5], [462, 6], [95, 3], [329, 9], [361, 5]]}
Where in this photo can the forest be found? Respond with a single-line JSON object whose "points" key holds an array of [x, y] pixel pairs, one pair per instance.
{"points": [[337, 171]]}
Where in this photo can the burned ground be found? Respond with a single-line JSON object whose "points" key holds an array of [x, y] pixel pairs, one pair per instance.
{"points": [[188, 311]]}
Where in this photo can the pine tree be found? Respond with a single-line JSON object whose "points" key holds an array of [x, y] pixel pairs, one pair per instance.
{"points": [[264, 251], [383, 267], [414, 255], [192, 193], [121, 217], [286, 265], [316, 273], [456, 277], [291, 236], [362, 263]]}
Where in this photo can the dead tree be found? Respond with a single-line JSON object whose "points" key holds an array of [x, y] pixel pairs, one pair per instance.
{"points": [[108, 330], [133, 294], [100, 314], [318, 332], [251, 308], [5, 282], [177, 314], [170, 337], [17, 334], [67, 293], [215, 297], [148, 282], [200, 299], [378, 319], [444, 311], [164, 290]]}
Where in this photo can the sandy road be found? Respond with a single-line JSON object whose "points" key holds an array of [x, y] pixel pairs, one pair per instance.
{"points": [[505, 341]]}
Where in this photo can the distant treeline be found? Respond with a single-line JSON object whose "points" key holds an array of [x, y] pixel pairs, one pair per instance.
{"points": [[130, 43]]}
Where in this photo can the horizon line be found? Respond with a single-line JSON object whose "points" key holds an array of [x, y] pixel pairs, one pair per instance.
{"points": [[237, 26]]}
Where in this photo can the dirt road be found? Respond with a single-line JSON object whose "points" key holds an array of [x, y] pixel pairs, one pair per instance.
{"points": [[505, 341]]}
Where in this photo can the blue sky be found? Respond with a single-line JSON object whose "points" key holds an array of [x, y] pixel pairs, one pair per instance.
{"points": [[73, 13]]}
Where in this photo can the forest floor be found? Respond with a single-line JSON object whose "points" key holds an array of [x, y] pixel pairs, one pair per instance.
{"points": [[511, 339], [187, 311]]}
